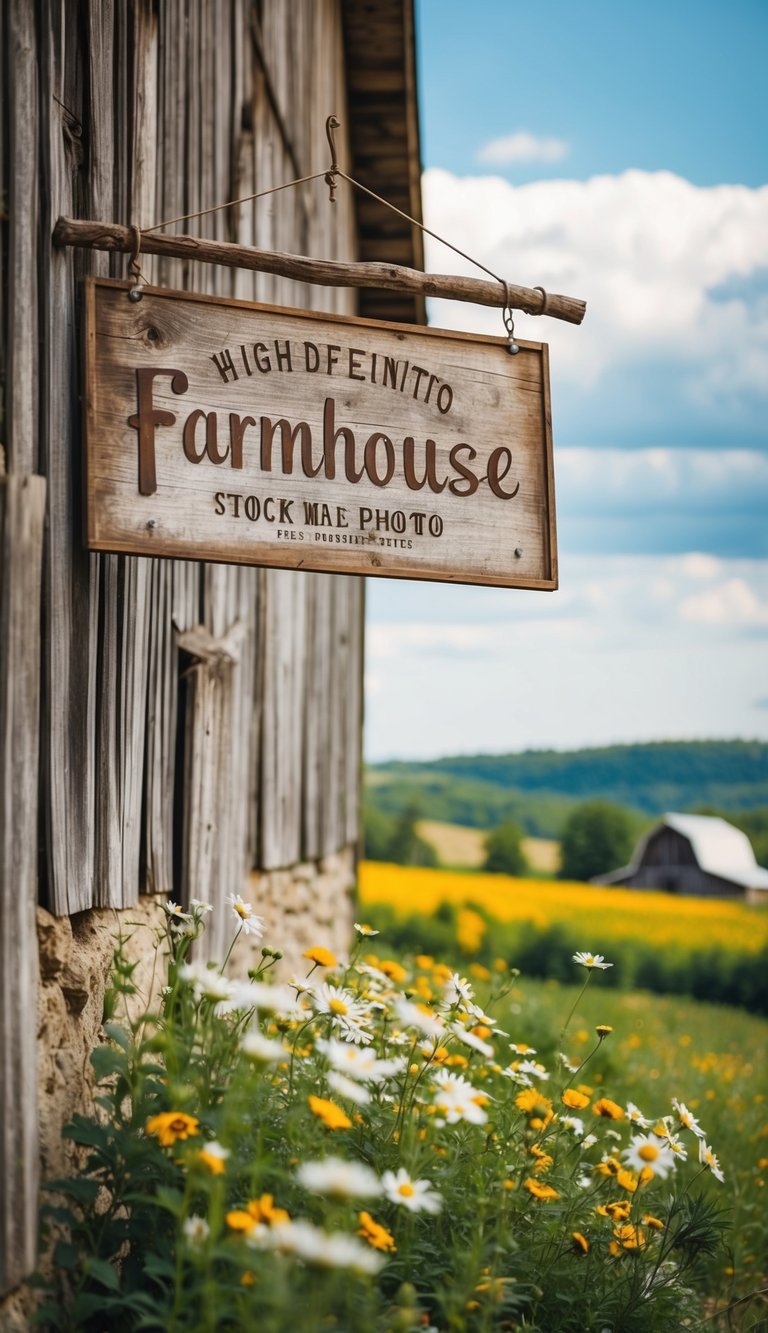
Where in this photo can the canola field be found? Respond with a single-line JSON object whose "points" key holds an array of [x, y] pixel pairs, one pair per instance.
{"points": [[610, 914]]}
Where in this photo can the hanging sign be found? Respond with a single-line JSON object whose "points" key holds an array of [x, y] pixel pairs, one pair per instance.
{"points": [[228, 431]]}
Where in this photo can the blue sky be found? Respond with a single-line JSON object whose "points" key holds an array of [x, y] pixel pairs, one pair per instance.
{"points": [[618, 153]]}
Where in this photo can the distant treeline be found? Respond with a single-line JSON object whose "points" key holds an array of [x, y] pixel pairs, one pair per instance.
{"points": [[539, 789]]}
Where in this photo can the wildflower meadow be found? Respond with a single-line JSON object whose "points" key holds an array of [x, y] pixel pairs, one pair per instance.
{"points": [[380, 1144]]}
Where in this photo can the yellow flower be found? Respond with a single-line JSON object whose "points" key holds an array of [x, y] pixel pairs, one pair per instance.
{"points": [[213, 1156], [605, 1107], [576, 1101], [532, 1101], [603, 1030], [256, 1211], [653, 1222], [375, 1233], [610, 1166], [331, 1115], [320, 957], [424, 960], [395, 971], [618, 1212], [172, 1127], [580, 1243], [626, 1180], [629, 1237], [540, 1191]]}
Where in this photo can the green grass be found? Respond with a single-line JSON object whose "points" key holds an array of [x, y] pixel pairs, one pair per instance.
{"points": [[712, 1058]]}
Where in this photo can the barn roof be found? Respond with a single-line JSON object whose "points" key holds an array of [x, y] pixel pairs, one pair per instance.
{"points": [[382, 101], [719, 848]]}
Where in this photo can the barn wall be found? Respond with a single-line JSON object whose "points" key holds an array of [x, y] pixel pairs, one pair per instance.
{"points": [[195, 721]]}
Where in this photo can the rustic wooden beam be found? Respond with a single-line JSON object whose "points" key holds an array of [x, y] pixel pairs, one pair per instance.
{"points": [[90, 235], [22, 517]]}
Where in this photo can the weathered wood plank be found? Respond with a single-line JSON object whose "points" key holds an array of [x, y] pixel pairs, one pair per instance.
{"points": [[22, 514], [70, 575], [381, 276], [21, 400]]}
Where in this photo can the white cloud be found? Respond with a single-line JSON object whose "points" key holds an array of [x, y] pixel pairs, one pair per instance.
{"points": [[699, 565], [731, 603], [664, 265], [630, 648], [522, 147]]}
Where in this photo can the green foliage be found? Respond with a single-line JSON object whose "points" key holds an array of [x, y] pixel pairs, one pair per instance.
{"points": [[192, 1210], [503, 850], [702, 970], [597, 838], [395, 838], [539, 788]]}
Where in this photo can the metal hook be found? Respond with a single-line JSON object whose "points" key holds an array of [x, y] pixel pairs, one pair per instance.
{"points": [[332, 124], [509, 323], [544, 301], [136, 291]]}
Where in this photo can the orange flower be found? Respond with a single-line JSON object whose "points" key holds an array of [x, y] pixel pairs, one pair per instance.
{"points": [[627, 1180], [331, 1115], [605, 1107], [320, 957], [540, 1191], [375, 1233], [576, 1101], [580, 1243], [172, 1127]]}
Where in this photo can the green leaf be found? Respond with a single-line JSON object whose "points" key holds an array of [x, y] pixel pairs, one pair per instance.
{"points": [[119, 1035], [79, 1188], [103, 1272], [107, 1061], [85, 1131], [65, 1256]]}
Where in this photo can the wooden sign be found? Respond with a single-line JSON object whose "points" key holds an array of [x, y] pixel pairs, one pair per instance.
{"points": [[228, 431]]}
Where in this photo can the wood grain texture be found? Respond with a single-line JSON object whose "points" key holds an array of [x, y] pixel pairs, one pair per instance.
{"points": [[391, 276], [22, 513], [259, 435]]}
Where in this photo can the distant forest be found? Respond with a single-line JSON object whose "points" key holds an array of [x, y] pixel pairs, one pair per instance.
{"points": [[540, 788]]}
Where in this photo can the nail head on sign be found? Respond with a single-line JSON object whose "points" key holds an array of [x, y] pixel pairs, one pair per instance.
{"points": [[519, 551]]}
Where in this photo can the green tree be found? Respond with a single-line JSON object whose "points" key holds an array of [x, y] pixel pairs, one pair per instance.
{"points": [[503, 850], [597, 838], [407, 847]]}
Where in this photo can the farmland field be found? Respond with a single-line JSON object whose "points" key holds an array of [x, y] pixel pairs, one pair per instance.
{"points": [[462, 847], [607, 914]]}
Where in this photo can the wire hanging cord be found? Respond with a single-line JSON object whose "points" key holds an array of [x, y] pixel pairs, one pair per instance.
{"points": [[385, 276], [335, 171]]}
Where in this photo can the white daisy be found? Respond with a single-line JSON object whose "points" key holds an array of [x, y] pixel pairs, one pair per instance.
{"points": [[363, 929], [346, 1011], [591, 960], [349, 1059], [635, 1116], [456, 990], [196, 1229], [255, 1046], [470, 1039], [206, 982], [244, 915], [533, 1069], [456, 1099], [574, 1124], [416, 1195], [708, 1158], [346, 1087], [339, 1178], [314, 1246], [413, 1016], [648, 1150], [688, 1119]]}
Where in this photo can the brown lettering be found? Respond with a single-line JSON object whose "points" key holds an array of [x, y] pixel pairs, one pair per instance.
{"points": [[472, 482], [372, 445], [494, 479], [148, 417]]}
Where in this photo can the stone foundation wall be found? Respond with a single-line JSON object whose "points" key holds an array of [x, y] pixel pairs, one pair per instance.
{"points": [[302, 906]]}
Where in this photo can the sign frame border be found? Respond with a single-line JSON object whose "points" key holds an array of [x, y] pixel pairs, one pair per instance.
{"points": [[206, 554]]}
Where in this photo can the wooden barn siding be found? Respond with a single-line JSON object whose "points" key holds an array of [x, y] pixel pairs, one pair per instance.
{"points": [[149, 113], [134, 111]]}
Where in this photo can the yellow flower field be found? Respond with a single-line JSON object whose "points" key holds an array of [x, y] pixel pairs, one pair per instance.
{"points": [[619, 914]]}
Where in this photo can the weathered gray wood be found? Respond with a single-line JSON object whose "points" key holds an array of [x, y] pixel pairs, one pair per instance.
{"points": [[386, 277], [22, 512], [21, 403]]}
